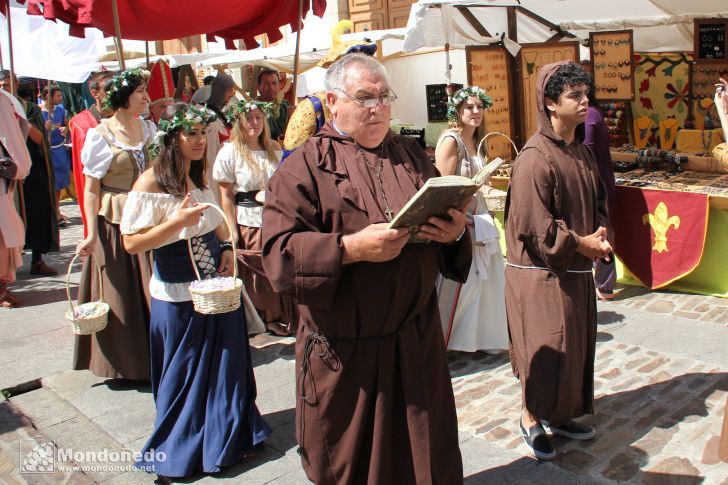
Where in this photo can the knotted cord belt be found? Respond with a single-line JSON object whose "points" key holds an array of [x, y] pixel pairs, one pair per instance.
{"points": [[319, 342]]}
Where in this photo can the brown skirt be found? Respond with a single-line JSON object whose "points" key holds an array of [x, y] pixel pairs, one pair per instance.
{"points": [[272, 306], [121, 350]]}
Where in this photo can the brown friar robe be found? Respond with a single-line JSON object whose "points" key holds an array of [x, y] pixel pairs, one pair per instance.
{"points": [[374, 400], [555, 195]]}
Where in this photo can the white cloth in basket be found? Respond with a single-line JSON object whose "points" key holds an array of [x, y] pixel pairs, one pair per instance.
{"points": [[486, 233]]}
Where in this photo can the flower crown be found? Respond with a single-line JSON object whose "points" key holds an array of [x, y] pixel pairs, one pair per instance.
{"points": [[122, 80], [185, 119], [462, 95], [244, 107]]}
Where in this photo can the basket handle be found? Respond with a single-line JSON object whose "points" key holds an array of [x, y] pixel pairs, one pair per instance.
{"points": [[68, 283], [230, 231], [495, 133]]}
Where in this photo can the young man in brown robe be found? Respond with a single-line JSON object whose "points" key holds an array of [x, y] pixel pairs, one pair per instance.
{"points": [[556, 225], [374, 398]]}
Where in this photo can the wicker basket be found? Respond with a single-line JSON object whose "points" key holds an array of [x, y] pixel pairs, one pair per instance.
{"points": [[494, 133], [495, 202], [87, 318], [218, 300]]}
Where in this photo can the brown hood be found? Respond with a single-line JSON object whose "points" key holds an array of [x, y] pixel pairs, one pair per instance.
{"points": [[544, 122]]}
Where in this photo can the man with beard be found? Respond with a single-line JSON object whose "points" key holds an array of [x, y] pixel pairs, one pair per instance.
{"points": [[374, 398]]}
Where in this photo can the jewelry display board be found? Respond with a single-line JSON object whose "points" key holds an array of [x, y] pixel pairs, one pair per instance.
{"points": [[705, 76], [489, 67], [437, 101], [710, 40], [531, 58], [612, 55]]}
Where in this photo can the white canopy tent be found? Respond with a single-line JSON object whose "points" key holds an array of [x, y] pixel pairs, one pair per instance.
{"points": [[43, 49], [174, 60], [659, 25]]}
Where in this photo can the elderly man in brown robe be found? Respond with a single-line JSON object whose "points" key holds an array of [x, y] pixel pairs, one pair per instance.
{"points": [[556, 225], [374, 399]]}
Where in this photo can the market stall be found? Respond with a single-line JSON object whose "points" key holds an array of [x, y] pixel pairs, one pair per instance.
{"points": [[654, 71]]}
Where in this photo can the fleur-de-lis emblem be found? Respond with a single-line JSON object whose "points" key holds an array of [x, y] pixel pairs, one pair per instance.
{"points": [[660, 223]]}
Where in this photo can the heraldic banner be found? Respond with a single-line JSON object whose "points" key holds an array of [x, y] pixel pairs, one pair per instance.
{"points": [[659, 234]]}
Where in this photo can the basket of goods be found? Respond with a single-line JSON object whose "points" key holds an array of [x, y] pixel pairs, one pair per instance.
{"points": [[495, 202], [218, 294], [87, 318]]}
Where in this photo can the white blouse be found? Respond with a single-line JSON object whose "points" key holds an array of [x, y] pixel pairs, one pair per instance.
{"points": [[147, 209], [96, 154], [231, 168]]}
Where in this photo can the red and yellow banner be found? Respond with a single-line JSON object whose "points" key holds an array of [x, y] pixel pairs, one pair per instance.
{"points": [[659, 234]]}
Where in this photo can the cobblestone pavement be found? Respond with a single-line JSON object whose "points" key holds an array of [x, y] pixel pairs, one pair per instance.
{"points": [[664, 302], [657, 417]]}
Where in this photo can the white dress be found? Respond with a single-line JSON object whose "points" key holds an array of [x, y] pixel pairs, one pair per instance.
{"points": [[474, 313], [231, 168]]}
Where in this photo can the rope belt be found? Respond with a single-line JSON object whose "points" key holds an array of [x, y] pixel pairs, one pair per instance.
{"points": [[546, 269], [317, 342]]}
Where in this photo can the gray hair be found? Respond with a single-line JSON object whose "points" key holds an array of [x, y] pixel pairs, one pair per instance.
{"points": [[336, 74]]}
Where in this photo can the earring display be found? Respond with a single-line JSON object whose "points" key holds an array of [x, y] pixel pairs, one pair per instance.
{"points": [[436, 96], [704, 78], [709, 42], [488, 67], [613, 65]]}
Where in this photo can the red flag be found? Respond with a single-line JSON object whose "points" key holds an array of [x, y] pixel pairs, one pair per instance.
{"points": [[659, 234]]}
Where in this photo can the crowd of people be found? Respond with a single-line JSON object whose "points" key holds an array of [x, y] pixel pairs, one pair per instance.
{"points": [[373, 315]]}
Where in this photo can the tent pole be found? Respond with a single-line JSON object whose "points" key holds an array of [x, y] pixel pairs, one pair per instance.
{"points": [[146, 52], [13, 87], [117, 33], [298, 46]]}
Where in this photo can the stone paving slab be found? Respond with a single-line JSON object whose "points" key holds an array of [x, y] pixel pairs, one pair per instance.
{"points": [[655, 414], [670, 303]]}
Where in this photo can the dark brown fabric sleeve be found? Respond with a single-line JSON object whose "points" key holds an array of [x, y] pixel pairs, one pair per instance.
{"points": [[299, 258], [455, 259], [531, 214]]}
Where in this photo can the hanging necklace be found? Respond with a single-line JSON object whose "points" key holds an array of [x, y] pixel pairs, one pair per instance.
{"points": [[378, 167]]}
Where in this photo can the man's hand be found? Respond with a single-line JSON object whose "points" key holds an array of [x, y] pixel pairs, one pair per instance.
{"points": [[595, 246], [375, 244], [443, 230]]}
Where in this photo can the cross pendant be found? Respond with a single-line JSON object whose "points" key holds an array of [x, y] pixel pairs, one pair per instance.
{"points": [[389, 214]]}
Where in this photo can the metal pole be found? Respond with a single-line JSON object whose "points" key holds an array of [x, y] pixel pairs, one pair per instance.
{"points": [[298, 46], [146, 52], [117, 33]]}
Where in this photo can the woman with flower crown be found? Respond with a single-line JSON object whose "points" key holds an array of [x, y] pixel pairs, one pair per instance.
{"points": [[113, 156], [202, 373], [473, 314], [242, 168]]}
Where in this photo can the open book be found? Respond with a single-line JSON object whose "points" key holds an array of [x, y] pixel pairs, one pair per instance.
{"points": [[438, 195]]}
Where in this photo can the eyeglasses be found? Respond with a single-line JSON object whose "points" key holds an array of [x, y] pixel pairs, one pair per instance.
{"points": [[370, 103]]}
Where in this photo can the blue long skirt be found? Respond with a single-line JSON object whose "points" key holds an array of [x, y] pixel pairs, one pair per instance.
{"points": [[204, 390]]}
